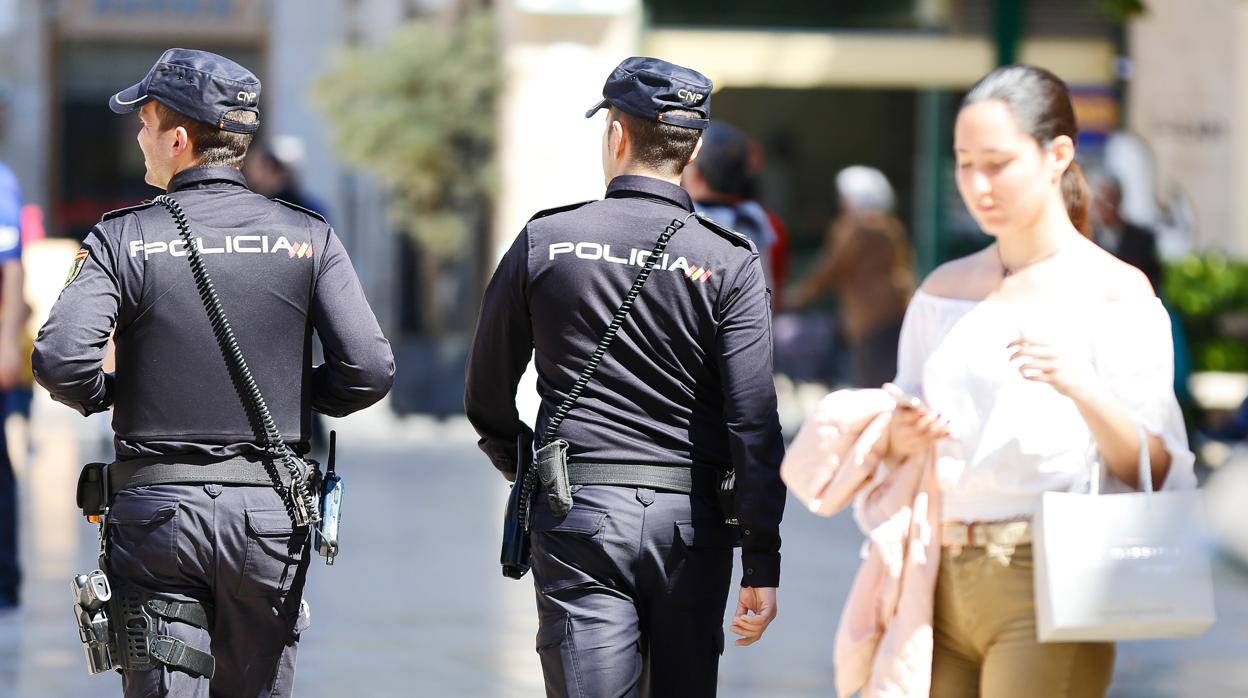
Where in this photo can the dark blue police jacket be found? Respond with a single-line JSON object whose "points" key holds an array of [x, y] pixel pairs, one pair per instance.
{"points": [[281, 274], [688, 380]]}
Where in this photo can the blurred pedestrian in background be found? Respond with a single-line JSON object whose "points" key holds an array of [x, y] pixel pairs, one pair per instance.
{"points": [[272, 170], [721, 180], [1134, 244], [1025, 358], [14, 373], [867, 262]]}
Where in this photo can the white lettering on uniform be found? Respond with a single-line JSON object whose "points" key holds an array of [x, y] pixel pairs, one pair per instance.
{"points": [[588, 250], [209, 250], [281, 243], [240, 239], [606, 254], [246, 96], [594, 251], [246, 244], [152, 248]]}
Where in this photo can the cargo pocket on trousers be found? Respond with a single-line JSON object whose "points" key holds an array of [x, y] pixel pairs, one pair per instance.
{"points": [[143, 537], [703, 551], [274, 551], [557, 651], [567, 550]]}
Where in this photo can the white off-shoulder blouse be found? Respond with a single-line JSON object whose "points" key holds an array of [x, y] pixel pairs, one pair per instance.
{"points": [[1013, 439]]}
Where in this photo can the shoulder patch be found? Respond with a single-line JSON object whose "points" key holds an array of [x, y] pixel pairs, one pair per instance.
{"points": [[79, 260], [559, 209], [731, 235], [301, 209], [123, 211]]}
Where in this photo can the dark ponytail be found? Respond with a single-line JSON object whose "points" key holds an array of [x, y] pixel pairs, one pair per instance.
{"points": [[1042, 109], [1077, 196]]}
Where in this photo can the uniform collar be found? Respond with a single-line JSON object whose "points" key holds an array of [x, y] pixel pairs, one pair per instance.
{"points": [[625, 186], [196, 176]]}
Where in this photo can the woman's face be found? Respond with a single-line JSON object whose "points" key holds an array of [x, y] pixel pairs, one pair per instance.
{"points": [[1005, 178]]}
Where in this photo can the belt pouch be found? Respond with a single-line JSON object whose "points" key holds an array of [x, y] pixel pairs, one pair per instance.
{"points": [[92, 493], [552, 472]]}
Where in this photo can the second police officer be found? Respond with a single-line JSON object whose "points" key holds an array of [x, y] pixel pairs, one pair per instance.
{"points": [[633, 570], [198, 532]]}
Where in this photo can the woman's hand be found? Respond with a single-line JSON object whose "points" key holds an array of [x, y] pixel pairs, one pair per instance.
{"points": [[1044, 363], [913, 429]]}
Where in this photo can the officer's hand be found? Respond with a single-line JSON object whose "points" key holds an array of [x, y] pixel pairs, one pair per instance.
{"points": [[760, 600]]}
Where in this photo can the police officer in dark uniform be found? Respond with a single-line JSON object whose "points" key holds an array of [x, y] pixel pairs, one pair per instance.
{"points": [[216, 561], [633, 580]]}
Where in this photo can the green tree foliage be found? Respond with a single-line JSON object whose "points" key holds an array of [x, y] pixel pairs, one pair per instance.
{"points": [[418, 114], [1211, 295]]}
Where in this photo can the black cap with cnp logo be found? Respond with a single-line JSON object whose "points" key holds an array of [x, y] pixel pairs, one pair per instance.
{"points": [[199, 85], [649, 88]]}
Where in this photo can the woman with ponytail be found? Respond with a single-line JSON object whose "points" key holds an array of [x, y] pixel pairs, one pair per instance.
{"points": [[1028, 356]]}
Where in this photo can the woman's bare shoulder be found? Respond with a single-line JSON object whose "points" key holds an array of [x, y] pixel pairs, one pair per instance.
{"points": [[963, 277], [1117, 280]]}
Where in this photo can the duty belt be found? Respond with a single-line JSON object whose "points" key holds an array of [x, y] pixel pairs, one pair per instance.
{"points": [[190, 469], [700, 480]]}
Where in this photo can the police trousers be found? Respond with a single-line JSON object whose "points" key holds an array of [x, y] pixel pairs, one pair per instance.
{"points": [[985, 634], [631, 590], [232, 548]]}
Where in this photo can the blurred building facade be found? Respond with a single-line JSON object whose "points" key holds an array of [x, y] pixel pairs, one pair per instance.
{"points": [[819, 85]]}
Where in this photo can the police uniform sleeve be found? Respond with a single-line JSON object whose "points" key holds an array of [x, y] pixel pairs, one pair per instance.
{"points": [[500, 352], [69, 352], [359, 364], [755, 441]]}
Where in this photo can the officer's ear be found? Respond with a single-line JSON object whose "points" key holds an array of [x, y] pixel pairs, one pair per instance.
{"points": [[697, 148], [615, 139], [181, 141]]}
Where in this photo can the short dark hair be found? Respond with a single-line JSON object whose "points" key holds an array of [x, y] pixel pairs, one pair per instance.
{"points": [[213, 147], [662, 147]]}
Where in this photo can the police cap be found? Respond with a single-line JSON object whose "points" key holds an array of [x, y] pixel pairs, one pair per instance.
{"points": [[199, 85], [649, 88]]}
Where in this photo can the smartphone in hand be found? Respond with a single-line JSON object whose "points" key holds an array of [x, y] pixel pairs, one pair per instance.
{"points": [[904, 400]]}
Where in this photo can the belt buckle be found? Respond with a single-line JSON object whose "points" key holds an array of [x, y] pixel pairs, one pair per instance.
{"points": [[976, 535]]}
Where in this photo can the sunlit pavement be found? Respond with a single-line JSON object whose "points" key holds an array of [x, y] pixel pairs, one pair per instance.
{"points": [[416, 606]]}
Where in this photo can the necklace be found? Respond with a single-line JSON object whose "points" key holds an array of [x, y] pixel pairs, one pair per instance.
{"points": [[1006, 271]]}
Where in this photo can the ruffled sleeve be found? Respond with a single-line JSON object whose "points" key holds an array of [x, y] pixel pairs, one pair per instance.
{"points": [[1133, 352]]}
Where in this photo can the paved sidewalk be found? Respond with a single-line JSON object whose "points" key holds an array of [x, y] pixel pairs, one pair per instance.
{"points": [[416, 605]]}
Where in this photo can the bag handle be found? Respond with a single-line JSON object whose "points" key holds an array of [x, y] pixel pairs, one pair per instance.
{"points": [[1145, 465]]}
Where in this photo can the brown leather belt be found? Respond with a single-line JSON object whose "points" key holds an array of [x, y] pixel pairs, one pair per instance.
{"points": [[984, 533]]}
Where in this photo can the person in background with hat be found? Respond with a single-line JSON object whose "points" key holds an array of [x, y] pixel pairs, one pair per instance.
{"points": [[721, 182], [633, 580], [197, 532]]}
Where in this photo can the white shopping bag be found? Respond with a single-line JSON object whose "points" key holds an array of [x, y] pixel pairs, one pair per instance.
{"points": [[1122, 566]]}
